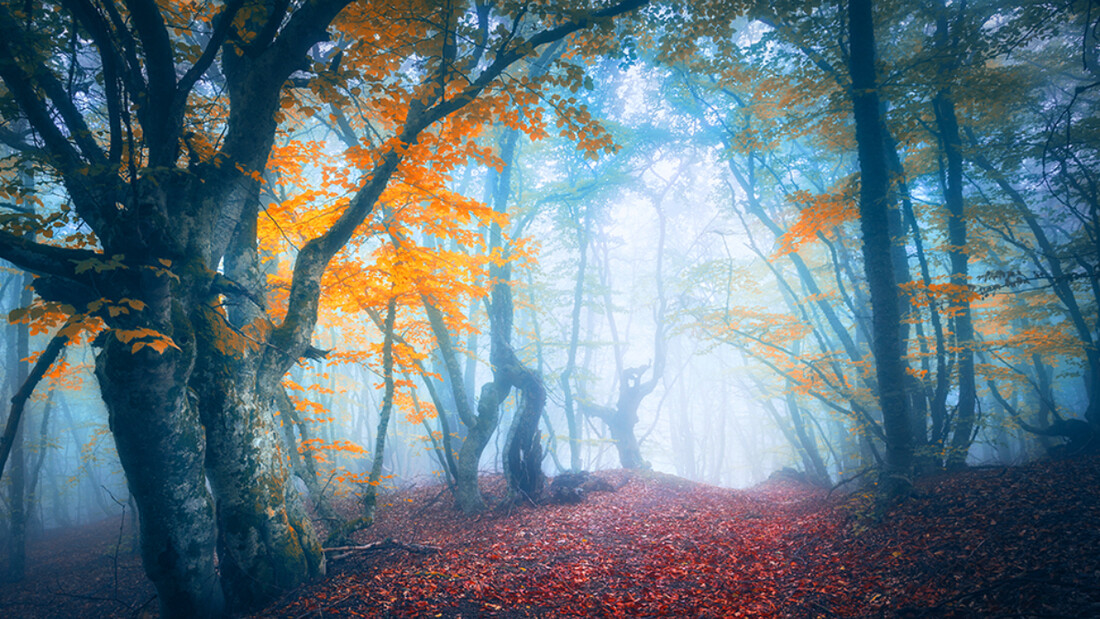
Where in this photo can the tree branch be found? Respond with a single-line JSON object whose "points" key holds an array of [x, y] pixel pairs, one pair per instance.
{"points": [[43, 259], [222, 22], [84, 186], [19, 401], [311, 262], [89, 17]]}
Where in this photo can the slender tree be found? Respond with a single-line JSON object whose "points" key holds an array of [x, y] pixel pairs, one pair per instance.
{"points": [[888, 346]]}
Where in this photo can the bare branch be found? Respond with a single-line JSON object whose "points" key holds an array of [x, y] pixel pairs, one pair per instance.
{"points": [[19, 401], [222, 22], [42, 259]]}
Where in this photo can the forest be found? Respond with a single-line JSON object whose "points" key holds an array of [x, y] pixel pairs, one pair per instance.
{"points": [[534, 308]]}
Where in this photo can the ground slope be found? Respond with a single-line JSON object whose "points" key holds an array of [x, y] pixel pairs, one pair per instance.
{"points": [[1010, 542], [994, 542]]}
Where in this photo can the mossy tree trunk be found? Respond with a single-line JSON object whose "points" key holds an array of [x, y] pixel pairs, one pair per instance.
{"points": [[190, 386]]}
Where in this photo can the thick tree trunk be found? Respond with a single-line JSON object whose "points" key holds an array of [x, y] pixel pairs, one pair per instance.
{"points": [[523, 449], [888, 346], [162, 447], [266, 544], [202, 410]]}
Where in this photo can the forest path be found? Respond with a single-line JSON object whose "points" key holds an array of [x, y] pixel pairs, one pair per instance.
{"points": [[1008, 541], [998, 542]]}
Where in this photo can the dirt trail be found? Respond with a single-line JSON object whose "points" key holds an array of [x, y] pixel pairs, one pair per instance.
{"points": [[1010, 542]]}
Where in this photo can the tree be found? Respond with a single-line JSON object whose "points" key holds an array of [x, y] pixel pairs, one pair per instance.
{"points": [[623, 417], [18, 372], [164, 167], [877, 256], [947, 122]]}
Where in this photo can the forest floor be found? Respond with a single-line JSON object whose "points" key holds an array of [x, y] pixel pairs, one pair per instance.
{"points": [[995, 542]]}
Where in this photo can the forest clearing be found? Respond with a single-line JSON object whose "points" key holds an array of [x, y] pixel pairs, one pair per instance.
{"points": [[549, 307], [998, 542]]}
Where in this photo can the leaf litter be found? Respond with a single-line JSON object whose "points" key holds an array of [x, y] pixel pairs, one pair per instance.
{"points": [[1004, 541], [992, 542]]}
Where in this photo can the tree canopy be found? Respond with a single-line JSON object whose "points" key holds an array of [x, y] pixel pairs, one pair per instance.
{"points": [[552, 236]]}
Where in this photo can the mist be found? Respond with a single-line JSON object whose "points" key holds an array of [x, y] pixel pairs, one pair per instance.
{"points": [[453, 262]]}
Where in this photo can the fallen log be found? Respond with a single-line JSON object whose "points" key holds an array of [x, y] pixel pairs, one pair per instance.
{"points": [[386, 544]]}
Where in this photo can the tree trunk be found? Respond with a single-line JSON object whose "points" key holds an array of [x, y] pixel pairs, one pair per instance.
{"points": [[574, 335], [266, 543], [467, 491], [479, 427], [19, 347], [162, 447], [621, 423], [951, 142], [888, 346], [523, 450], [901, 203], [370, 498]]}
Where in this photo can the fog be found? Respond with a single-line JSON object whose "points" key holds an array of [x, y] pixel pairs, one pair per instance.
{"points": [[646, 248]]}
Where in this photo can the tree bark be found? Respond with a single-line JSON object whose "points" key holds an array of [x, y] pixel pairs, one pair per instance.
{"points": [[888, 346], [20, 350], [162, 447], [951, 142]]}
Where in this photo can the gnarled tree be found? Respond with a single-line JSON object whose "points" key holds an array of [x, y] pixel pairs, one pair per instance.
{"points": [[158, 119]]}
